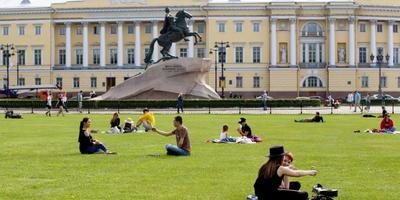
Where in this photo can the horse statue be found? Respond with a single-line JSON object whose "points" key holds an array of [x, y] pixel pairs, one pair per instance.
{"points": [[175, 29]]}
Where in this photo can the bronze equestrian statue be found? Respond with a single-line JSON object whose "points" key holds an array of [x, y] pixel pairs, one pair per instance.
{"points": [[174, 30]]}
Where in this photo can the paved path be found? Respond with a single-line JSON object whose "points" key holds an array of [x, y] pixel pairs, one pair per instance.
{"points": [[289, 111]]}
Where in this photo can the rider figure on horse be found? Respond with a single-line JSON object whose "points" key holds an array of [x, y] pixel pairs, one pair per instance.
{"points": [[170, 26]]}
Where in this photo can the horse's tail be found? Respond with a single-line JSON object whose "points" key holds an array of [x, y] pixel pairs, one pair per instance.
{"points": [[149, 55]]}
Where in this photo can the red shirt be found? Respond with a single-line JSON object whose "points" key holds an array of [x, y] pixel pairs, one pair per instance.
{"points": [[386, 124]]}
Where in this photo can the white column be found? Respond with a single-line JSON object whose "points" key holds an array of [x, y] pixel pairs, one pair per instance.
{"points": [[138, 47], [68, 44], [273, 41], [191, 42], [1, 58], [293, 42], [155, 35], [373, 40], [390, 43], [332, 42], [317, 52], [323, 52], [85, 44], [52, 43], [352, 41], [172, 50], [102, 44], [120, 60]]}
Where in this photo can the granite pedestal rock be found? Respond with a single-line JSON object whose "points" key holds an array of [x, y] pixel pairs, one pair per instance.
{"points": [[165, 80]]}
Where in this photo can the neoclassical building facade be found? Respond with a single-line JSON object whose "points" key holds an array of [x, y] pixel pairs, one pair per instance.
{"points": [[289, 48]]}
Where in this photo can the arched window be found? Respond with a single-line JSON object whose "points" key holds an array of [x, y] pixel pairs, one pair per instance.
{"points": [[312, 29], [312, 82]]}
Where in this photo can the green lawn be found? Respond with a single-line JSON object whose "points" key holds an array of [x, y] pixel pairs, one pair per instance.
{"points": [[39, 159]]}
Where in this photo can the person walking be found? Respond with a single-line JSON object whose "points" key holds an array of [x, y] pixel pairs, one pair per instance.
{"points": [[179, 104], [368, 102], [60, 105], [48, 104], [265, 98], [350, 100], [64, 99], [79, 98], [357, 101]]}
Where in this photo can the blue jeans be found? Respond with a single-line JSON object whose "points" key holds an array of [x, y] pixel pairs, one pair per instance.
{"points": [[176, 151], [265, 104], [94, 149], [390, 130]]}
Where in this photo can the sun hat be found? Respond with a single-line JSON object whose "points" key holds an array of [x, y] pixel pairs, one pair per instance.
{"points": [[277, 151], [129, 120]]}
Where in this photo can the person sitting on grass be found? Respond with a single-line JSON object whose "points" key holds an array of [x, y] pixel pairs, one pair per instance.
{"points": [[317, 118], [128, 126], [387, 125], [147, 119], [224, 136], [271, 175], [87, 144], [245, 131], [115, 121], [287, 162], [183, 147]]}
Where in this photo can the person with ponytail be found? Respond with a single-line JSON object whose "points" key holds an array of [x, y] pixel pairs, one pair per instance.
{"points": [[87, 144], [271, 174]]}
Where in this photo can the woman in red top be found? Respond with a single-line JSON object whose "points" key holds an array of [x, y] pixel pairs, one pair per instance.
{"points": [[387, 125]]}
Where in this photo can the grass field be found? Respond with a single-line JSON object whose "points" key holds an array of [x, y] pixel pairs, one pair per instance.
{"points": [[39, 159]]}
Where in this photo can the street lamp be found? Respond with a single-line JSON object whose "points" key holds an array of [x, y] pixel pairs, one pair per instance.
{"points": [[222, 46], [8, 51], [380, 61], [215, 51]]}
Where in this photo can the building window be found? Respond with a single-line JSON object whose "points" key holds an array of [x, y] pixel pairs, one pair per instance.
{"points": [[21, 30], [61, 56], [131, 56], [113, 56], [364, 82], [148, 29], [239, 81], [239, 27], [239, 54], [38, 56], [222, 55], [362, 51], [256, 82], [5, 30], [312, 53], [38, 81], [384, 81], [21, 57], [256, 27], [396, 55], [59, 81], [256, 54], [95, 30], [79, 56], [96, 56], [131, 29], [183, 52], [363, 28], [79, 30], [201, 28], [38, 30], [93, 82], [76, 82], [201, 53], [395, 28], [221, 27], [62, 30], [21, 81], [379, 28], [312, 82], [113, 29]]}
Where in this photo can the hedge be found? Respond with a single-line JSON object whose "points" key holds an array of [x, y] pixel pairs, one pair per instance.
{"points": [[130, 104]]}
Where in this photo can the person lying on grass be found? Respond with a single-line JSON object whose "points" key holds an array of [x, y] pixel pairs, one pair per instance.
{"points": [[183, 147], [287, 162], [224, 136], [271, 175], [245, 131], [87, 144], [147, 120], [317, 118]]}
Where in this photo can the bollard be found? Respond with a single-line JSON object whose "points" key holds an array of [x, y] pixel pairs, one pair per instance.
{"points": [[209, 107], [118, 106], [301, 107], [32, 107], [393, 108], [270, 109]]}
